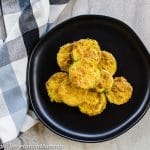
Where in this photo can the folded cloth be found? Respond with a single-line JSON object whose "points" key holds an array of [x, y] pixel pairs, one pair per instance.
{"points": [[22, 24]]}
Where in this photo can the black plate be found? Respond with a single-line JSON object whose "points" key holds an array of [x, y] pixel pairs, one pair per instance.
{"points": [[133, 63]]}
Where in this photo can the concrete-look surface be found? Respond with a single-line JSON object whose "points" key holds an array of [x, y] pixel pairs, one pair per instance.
{"points": [[136, 14]]}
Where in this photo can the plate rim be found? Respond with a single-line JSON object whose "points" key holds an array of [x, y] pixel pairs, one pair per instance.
{"points": [[120, 131]]}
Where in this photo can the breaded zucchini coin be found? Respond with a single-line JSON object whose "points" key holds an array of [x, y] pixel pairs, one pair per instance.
{"points": [[94, 109], [105, 81], [86, 48], [91, 98], [64, 58], [108, 62], [120, 92], [84, 74], [70, 94], [53, 84]]}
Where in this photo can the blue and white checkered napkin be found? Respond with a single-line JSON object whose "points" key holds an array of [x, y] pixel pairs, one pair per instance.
{"points": [[22, 24]]}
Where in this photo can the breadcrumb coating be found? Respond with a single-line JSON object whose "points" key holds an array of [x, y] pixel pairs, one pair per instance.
{"points": [[105, 81], [53, 84], [94, 109], [84, 74], [71, 95], [86, 48], [64, 58], [108, 62], [120, 92], [87, 81]]}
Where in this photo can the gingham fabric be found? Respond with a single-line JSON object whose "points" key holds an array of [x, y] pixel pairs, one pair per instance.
{"points": [[22, 24]]}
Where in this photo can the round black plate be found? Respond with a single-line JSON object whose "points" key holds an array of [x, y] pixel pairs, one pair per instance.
{"points": [[133, 63]]}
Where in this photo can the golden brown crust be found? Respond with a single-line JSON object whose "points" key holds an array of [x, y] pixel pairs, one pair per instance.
{"points": [[88, 79], [71, 95], [86, 48], [53, 84], [84, 74], [64, 58], [94, 109], [105, 81], [108, 62], [120, 92]]}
